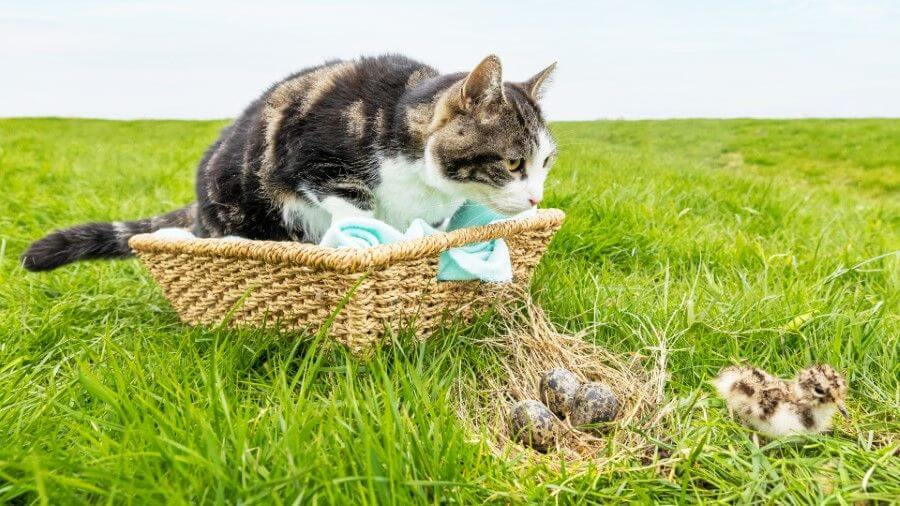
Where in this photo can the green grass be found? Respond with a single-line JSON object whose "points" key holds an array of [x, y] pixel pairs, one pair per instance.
{"points": [[768, 241]]}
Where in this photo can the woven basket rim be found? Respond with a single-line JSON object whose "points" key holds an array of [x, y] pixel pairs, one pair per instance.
{"points": [[345, 259]]}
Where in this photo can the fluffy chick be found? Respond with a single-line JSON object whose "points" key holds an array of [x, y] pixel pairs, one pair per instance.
{"points": [[775, 407]]}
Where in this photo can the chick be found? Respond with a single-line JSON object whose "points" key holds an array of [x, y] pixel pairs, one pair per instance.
{"points": [[776, 407]]}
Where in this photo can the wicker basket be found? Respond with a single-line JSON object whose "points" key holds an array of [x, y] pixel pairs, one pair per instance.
{"points": [[300, 286]]}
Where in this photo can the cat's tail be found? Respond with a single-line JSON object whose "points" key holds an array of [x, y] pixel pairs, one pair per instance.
{"points": [[98, 240]]}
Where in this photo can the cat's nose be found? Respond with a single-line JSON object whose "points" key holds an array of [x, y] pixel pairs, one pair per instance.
{"points": [[534, 200]]}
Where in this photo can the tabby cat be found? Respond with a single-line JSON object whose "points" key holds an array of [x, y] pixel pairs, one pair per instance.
{"points": [[385, 137]]}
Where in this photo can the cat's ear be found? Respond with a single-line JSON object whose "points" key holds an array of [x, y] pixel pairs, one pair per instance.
{"points": [[537, 85], [484, 84]]}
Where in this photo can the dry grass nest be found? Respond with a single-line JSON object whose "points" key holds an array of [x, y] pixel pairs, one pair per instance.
{"points": [[528, 344]]}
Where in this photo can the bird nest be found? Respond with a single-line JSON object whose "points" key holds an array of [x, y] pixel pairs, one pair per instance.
{"points": [[529, 345]]}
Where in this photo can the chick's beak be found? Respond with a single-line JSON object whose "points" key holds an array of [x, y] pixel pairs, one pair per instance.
{"points": [[843, 411]]}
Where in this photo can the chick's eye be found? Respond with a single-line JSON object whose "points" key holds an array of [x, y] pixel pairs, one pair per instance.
{"points": [[819, 390], [514, 164]]}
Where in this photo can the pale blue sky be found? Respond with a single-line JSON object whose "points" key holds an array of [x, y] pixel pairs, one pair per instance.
{"points": [[654, 59]]}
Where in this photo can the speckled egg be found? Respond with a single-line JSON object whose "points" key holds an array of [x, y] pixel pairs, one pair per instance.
{"points": [[557, 389], [593, 403], [531, 424]]}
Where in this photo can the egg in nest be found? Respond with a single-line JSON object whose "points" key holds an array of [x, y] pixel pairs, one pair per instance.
{"points": [[532, 424], [557, 388], [593, 403]]}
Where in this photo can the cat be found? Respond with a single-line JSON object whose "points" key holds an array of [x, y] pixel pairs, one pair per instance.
{"points": [[384, 137]]}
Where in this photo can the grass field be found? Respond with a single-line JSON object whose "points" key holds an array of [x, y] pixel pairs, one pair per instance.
{"points": [[768, 241]]}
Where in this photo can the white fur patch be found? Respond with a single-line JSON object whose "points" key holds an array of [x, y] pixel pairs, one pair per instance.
{"points": [[183, 234], [298, 214], [408, 190], [341, 209], [173, 234], [314, 219], [537, 172]]}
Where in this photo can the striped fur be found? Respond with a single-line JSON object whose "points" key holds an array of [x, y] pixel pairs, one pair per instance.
{"points": [[98, 240], [385, 136]]}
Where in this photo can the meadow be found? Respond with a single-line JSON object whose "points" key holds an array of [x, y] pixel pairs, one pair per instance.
{"points": [[770, 242]]}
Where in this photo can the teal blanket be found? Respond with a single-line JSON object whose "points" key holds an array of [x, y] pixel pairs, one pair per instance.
{"points": [[485, 261]]}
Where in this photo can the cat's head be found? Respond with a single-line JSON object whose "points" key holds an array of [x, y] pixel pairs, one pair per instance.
{"points": [[487, 140]]}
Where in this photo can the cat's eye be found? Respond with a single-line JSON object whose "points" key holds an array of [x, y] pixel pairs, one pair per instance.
{"points": [[514, 164]]}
